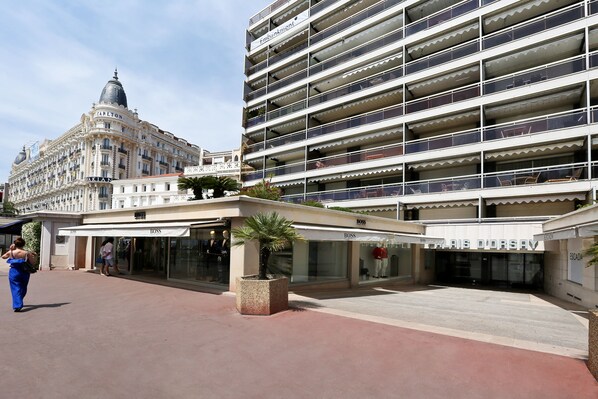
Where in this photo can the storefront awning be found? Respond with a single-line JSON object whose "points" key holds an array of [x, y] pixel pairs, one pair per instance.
{"points": [[320, 233], [177, 229]]}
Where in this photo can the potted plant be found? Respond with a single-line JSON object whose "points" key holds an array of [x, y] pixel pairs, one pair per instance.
{"points": [[262, 294]]}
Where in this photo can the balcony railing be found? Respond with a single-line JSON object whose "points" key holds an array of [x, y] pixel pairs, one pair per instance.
{"points": [[356, 156], [536, 75], [533, 27], [122, 151], [347, 23], [543, 175], [365, 119], [442, 16], [355, 19], [538, 125]]}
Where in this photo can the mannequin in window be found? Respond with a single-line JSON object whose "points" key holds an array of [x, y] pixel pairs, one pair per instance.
{"points": [[380, 254], [224, 259], [213, 253]]}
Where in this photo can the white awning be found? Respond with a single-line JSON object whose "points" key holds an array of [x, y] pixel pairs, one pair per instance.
{"points": [[529, 105], [463, 117], [513, 12], [356, 139], [420, 47], [535, 199], [373, 65], [563, 47], [320, 233], [453, 77], [563, 234], [451, 204], [175, 229], [535, 150], [445, 162], [364, 172]]}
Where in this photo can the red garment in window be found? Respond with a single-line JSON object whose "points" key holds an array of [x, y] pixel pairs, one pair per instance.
{"points": [[380, 253]]}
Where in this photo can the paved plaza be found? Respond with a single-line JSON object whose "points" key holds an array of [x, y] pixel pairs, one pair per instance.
{"points": [[82, 335]]}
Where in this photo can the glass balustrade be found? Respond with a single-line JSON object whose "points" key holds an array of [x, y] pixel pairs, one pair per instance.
{"points": [[443, 185], [443, 57], [355, 87], [536, 75], [441, 17], [357, 156], [355, 19], [442, 99], [371, 117], [390, 38], [444, 141], [593, 60], [538, 125], [544, 175], [533, 27], [593, 7], [552, 174]]}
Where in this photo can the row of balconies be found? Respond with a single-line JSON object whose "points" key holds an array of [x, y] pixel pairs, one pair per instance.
{"points": [[549, 71], [504, 179], [528, 127], [533, 27]]}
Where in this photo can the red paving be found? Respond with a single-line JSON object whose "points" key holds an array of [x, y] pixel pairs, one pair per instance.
{"points": [[88, 336]]}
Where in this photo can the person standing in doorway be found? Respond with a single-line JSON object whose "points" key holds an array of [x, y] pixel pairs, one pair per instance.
{"points": [[213, 253], [108, 256], [17, 276], [102, 260]]}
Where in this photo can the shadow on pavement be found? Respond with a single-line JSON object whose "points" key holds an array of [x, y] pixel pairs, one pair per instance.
{"points": [[27, 308]]}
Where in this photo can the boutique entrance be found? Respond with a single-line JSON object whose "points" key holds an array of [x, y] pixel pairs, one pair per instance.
{"points": [[488, 268]]}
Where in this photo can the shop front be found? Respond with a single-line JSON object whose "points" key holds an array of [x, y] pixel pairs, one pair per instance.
{"points": [[187, 243], [504, 255]]}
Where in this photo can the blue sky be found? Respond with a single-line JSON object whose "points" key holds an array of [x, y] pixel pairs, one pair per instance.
{"points": [[180, 63]]}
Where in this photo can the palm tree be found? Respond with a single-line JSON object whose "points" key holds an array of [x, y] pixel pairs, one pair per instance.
{"points": [[592, 252], [272, 232], [197, 184], [221, 184]]}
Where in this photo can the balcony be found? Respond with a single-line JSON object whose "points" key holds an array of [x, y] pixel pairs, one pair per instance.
{"points": [[441, 16], [122, 166], [507, 179], [122, 151], [146, 157], [533, 27]]}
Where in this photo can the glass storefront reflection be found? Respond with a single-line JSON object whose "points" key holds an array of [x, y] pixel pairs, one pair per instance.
{"points": [[203, 256]]}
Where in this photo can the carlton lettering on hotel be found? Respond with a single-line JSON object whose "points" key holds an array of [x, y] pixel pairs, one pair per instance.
{"points": [[109, 114]]}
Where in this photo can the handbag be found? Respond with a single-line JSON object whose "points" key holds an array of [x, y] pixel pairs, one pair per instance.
{"points": [[29, 268]]}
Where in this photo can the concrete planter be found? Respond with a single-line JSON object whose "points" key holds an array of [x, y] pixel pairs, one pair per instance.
{"points": [[262, 297]]}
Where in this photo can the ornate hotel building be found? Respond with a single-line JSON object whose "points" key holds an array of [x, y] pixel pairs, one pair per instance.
{"points": [[73, 173], [475, 117]]}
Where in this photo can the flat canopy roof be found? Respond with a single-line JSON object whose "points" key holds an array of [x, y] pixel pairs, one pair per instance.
{"points": [[160, 229], [321, 233]]}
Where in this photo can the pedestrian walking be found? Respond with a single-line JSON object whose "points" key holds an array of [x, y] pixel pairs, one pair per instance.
{"points": [[18, 276]]}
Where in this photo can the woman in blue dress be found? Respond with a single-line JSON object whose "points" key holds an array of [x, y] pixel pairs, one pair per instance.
{"points": [[17, 276]]}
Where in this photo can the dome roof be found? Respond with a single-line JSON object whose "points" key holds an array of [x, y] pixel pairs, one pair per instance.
{"points": [[21, 157], [113, 92]]}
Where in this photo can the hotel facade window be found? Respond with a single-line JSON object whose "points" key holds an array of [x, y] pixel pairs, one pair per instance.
{"points": [[441, 112], [92, 154]]}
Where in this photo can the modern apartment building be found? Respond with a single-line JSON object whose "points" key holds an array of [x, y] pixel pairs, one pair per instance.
{"points": [[73, 173], [475, 117]]}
